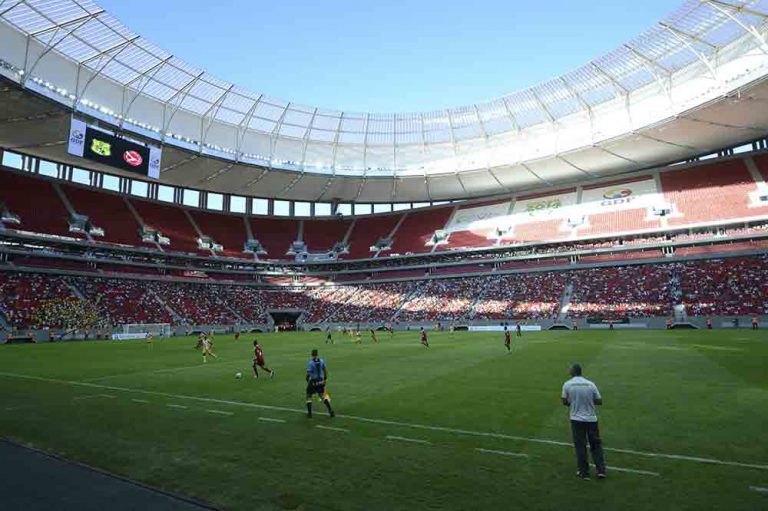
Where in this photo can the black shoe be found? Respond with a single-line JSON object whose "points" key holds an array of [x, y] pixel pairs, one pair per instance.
{"points": [[332, 414], [601, 475], [583, 477], [309, 416]]}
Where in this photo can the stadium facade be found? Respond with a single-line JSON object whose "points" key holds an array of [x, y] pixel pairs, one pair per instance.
{"points": [[645, 163]]}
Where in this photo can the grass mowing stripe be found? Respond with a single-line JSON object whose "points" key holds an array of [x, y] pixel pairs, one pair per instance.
{"points": [[759, 489], [633, 471], [678, 457], [406, 439], [331, 428], [171, 405], [139, 400], [502, 453], [220, 412]]}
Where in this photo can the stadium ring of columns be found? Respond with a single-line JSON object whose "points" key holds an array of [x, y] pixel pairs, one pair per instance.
{"points": [[692, 83]]}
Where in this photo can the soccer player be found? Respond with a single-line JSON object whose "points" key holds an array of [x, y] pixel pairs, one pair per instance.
{"points": [[669, 323], [358, 337], [200, 341], [709, 323], [518, 329], [207, 351], [317, 377], [755, 323], [373, 336], [424, 341], [258, 361], [237, 335], [581, 396], [507, 339], [328, 335]]}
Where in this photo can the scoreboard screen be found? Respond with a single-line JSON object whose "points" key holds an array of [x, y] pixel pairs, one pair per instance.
{"points": [[93, 144]]}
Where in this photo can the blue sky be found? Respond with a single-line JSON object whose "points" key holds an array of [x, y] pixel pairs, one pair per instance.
{"points": [[388, 56]]}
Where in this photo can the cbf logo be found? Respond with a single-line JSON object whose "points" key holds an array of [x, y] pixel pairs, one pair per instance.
{"points": [[617, 196]]}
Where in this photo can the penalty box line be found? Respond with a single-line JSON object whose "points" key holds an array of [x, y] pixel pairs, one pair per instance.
{"points": [[426, 427]]}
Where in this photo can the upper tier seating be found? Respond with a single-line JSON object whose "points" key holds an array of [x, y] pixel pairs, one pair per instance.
{"points": [[107, 211], [35, 201], [707, 193], [275, 235], [171, 222], [367, 231], [226, 230], [321, 235], [418, 228]]}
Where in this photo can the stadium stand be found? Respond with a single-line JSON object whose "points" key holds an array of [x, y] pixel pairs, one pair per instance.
{"points": [[367, 231], [713, 192], [227, 230], [171, 222], [36, 203], [623, 291], [106, 211], [417, 230], [275, 235], [322, 235]]}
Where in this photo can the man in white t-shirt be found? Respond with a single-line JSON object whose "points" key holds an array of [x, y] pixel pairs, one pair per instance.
{"points": [[581, 396]]}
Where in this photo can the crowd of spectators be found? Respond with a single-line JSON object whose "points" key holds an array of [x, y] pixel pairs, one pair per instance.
{"points": [[622, 291], [521, 296], [733, 286], [443, 300]]}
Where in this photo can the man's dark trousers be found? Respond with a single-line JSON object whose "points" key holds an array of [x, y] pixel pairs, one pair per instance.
{"points": [[584, 432]]}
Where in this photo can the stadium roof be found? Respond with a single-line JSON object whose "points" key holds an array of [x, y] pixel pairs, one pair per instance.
{"points": [[567, 128]]}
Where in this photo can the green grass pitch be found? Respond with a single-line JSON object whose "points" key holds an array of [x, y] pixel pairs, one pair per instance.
{"points": [[461, 425]]}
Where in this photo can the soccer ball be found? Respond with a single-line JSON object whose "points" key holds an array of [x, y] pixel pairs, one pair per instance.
{"points": [[238, 375]]}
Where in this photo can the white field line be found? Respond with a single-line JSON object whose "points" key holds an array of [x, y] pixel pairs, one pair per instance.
{"points": [[331, 428], [220, 412], [759, 489], [426, 427], [632, 471], [181, 407], [139, 400], [406, 439], [93, 396], [153, 371], [502, 453], [717, 348], [270, 419]]}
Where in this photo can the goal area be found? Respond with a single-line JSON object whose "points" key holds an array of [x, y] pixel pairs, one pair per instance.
{"points": [[156, 329]]}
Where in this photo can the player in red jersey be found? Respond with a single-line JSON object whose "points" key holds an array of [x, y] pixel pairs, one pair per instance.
{"points": [[424, 337], [258, 361], [507, 339]]}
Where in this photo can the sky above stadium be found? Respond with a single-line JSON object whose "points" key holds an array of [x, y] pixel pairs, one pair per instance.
{"points": [[393, 56]]}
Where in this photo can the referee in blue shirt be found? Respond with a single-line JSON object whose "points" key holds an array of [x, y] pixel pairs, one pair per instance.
{"points": [[317, 377]]}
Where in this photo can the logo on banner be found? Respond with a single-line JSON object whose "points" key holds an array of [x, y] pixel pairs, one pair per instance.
{"points": [[133, 158], [543, 205], [617, 196], [101, 148]]}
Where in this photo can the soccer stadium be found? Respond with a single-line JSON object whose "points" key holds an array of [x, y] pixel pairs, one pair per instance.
{"points": [[469, 276]]}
